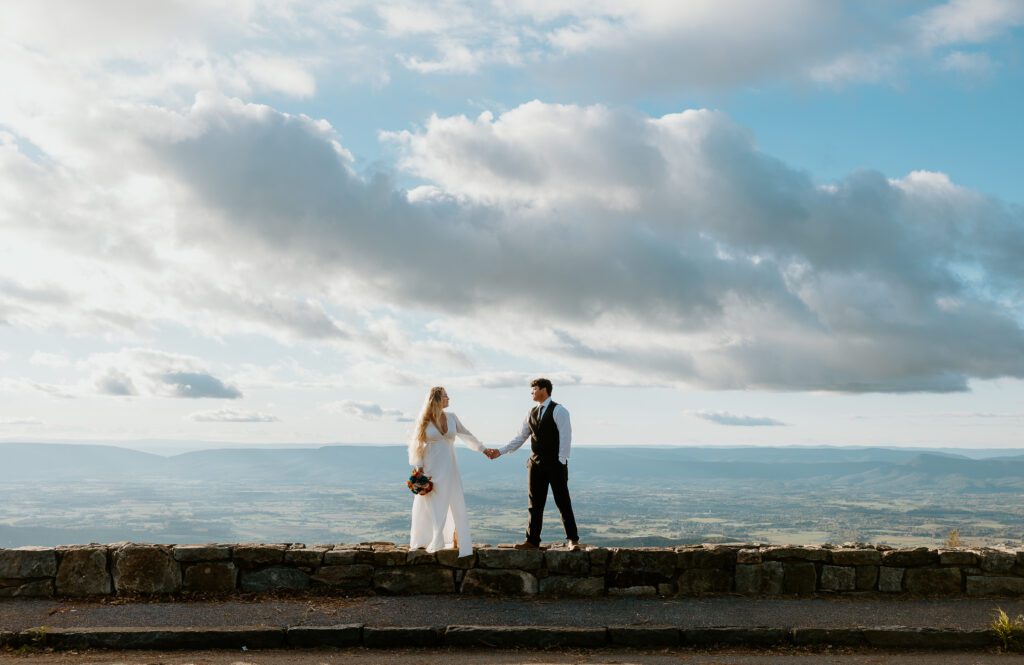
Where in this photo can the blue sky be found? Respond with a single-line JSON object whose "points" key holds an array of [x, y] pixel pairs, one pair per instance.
{"points": [[281, 222]]}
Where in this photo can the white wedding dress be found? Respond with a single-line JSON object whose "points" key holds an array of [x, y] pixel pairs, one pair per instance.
{"points": [[436, 516]]}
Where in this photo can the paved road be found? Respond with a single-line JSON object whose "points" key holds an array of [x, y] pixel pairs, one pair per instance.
{"points": [[963, 613], [434, 657]]}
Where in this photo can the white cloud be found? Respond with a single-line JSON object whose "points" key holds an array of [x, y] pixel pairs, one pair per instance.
{"points": [[734, 420], [367, 411], [232, 416], [52, 360], [515, 379], [278, 74], [149, 372], [969, 64], [968, 21], [667, 247], [5, 422]]}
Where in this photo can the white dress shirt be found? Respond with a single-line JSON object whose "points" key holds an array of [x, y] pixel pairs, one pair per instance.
{"points": [[561, 416]]}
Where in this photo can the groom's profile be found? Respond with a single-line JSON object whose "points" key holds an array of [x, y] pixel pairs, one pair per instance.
{"points": [[548, 428]]}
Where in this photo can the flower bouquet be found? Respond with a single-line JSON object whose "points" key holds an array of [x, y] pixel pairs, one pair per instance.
{"points": [[419, 483]]}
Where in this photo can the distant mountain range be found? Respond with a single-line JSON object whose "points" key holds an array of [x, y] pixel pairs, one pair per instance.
{"points": [[881, 469]]}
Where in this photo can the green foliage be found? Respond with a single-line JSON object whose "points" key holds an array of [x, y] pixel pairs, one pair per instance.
{"points": [[1010, 631]]}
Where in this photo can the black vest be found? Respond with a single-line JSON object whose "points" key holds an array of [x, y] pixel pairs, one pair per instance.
{"points": [[544, 439]]}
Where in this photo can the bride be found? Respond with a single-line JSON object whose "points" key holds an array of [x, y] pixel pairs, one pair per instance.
{"points": [[439, 518]]}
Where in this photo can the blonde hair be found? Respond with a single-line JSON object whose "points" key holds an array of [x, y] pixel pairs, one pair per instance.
{"points": [[431, 412]]}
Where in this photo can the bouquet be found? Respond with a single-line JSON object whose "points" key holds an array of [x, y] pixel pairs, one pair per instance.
{"points": [[419, 483]]}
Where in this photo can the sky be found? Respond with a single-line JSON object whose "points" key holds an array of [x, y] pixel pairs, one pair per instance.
{"points": [[282, 221]]}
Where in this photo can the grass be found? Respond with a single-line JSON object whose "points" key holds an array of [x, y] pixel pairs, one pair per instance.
{"points": [[953, 539], [1010, 631]]}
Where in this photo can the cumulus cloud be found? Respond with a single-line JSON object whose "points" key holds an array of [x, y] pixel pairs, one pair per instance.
{"points": [[670, 246], [515, 379], [232, 416], [734, 420], [149, 372], [367, 411]]}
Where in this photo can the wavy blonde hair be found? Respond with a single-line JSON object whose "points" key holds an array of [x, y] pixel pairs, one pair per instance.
{"points": [[431, 412]]}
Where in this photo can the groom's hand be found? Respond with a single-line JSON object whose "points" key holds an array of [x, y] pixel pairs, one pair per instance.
{"points": [[492, 453]]}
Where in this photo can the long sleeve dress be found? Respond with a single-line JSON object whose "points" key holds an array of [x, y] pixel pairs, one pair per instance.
{"points": [[437, 515]]}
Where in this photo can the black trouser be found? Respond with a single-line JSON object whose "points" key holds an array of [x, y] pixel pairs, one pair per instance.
{"points": [[545, 473]]}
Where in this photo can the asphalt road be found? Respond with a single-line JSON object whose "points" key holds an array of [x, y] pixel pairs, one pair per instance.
{"points": [[434, 657]]}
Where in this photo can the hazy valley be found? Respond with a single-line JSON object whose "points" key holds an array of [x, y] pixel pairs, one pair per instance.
{"points": [[57, 494]]}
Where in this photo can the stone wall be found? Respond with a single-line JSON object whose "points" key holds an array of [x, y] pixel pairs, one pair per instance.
{"points": [[131, 569]]}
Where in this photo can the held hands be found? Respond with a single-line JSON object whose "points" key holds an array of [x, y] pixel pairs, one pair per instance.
{"points": [[492, 453]]}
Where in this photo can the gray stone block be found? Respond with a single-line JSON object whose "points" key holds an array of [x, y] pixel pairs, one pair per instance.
{"points": [[995, 586], [145, 569], [387, 558], [890, 580], [83, 572], [542, 637], [451, 559], [838, 578], [762, 578], [28, 562], [644, 637], [933, 581], [701, 581], [567, 563], [347, 577], [997, 561], [508, 558], [918, 556], [252, 556], [567, 585], [312, 637], [26, 588], [210, 577], [782, 553], [407, 580], [277, 578], [799, 578], [343, 557], [749, 556], [421, 557], [658, 562], [707, 556], [633, 591], [599, 560], [390, 637], [867, 578], [307, 557], [194, 553], [856, 557], [958, 558], [499, 582]]}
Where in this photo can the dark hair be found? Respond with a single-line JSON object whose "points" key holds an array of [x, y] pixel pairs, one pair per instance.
{"points": [[542, 383]]}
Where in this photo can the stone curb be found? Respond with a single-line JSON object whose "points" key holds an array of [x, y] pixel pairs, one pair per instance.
{"points": [[153, 638], [304, 637], [497, 637], [525, 636]]}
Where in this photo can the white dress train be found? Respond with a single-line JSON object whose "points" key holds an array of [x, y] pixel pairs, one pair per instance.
{"points": [[436, 516]]}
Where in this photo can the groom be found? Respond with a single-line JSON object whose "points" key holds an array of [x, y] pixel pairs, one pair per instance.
{"points": [[547, 426]]}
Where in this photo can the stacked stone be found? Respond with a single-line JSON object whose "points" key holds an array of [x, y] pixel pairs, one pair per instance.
{"points": [[129, 569]]}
